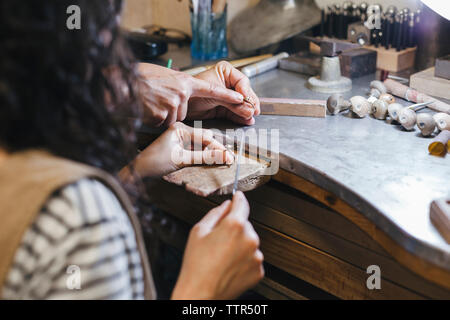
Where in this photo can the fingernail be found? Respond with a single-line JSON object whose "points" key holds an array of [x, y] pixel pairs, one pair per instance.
{"points": [[239, 96], [249, 112]]}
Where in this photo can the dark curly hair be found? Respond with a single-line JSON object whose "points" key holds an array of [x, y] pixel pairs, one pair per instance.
{"points": [[71, 92]]}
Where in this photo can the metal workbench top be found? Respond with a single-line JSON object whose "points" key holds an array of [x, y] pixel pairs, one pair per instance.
{"points": [[381, 170]]}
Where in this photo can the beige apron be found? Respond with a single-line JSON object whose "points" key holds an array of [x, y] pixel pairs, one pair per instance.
{"points": [[27, 180]]}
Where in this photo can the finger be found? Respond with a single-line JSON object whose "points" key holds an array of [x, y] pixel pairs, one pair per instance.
{"points": [[159, 119], [240, 208], [182, 110], [251, 233], [237, 119], [203, 137], [252, 98], [223, 113], [245, 122], [208, 140], [252, 273], [259, 259], [243, 110], [171, 117], [259, 256], [213, 144], [240, 82], [210, 220], [217, 157], [205, 89], [153, 114], [210, 157]]}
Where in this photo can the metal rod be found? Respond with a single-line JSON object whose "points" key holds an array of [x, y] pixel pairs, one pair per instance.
{"points": [[420, 106], [238, 164]]}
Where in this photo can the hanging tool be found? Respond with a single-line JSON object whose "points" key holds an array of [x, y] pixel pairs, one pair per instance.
{"points": [[400, 90], [405, 28], [399, 33], [411, 22], [390, 20], [322, 23], [330, 22]]}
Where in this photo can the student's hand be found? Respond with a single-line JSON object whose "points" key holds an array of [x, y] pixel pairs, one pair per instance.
{"points": [[222, 257], [165, 94], [180, 146], [226, 76]]}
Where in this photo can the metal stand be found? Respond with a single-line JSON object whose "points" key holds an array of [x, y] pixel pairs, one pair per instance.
{"points": [[330, 80]]}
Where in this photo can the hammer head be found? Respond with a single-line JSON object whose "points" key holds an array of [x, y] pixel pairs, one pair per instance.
{"points": [[333, 47]]}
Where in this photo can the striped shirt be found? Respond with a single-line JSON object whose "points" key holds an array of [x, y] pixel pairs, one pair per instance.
{"points": [[81, 246]]}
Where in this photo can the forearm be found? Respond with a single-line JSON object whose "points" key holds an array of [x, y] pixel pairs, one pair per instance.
{"points": [[146, 69], [148, 164]]}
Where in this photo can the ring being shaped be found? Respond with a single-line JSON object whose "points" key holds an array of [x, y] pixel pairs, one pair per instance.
{"points": [[248, 100]]}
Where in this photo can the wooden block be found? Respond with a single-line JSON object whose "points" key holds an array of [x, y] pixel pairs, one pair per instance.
{"points": [[392, 60], [442, 69], [358, 62], [293, 107], [207, 180], [387, 59], [426, 82], [440, 217]]}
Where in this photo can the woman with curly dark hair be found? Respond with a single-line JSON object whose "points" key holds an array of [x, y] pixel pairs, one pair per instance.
{"points": [[70, 102]]}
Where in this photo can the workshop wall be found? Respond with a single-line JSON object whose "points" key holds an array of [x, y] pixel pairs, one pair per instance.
{"points": [[174, 13], [170, 13]]}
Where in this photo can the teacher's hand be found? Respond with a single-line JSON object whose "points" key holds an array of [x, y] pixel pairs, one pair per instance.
{"points": [[166, 93], [226, 76]]}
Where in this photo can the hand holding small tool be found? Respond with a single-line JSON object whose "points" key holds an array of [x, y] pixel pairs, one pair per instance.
{"points": [[226, 76]]}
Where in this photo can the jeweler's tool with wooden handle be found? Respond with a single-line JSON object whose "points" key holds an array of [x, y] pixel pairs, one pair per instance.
{"points": [[440, 145], [440, 217], [293, 107], [407, 93], [238, 164], [264, 65], [239, 63], [407, 116]]}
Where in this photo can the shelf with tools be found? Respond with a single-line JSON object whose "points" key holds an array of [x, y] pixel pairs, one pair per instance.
{"points": [[391, 32]]}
